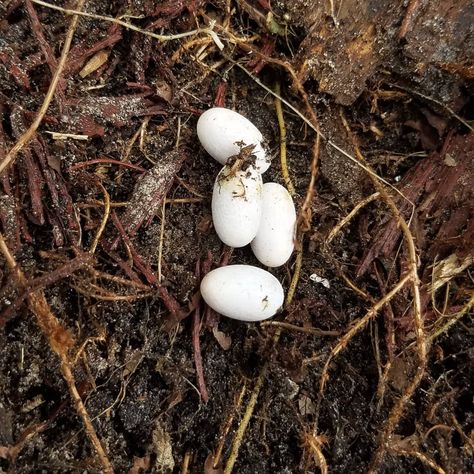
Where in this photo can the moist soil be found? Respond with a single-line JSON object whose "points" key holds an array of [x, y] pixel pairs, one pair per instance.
{"points": [[380, 80]]}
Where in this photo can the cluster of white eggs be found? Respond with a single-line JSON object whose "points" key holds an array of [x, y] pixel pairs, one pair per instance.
{"points": [[245, 211]]}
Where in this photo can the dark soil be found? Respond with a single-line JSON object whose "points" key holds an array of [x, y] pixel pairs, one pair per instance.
{"points": [[376, 75]]}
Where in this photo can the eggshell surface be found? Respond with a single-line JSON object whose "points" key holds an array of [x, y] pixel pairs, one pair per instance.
{"points": [[274, 241], [220, 129], [237, 205], [242, 292]]}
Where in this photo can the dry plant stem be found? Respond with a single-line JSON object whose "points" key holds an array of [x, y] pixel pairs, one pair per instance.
{"points": [[452, 320], [296, 275], [422, 457], [292, 327], [104, 220], [101, 297], [186, 462], [129, 26], [353, 286], [28, 135], [349, 216], [197, 355], [61, 342], [228, 424], [106, 160], [281, 124]]}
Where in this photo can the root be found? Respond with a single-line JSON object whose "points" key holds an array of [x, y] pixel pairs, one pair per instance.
{"points": [[61, 342]]}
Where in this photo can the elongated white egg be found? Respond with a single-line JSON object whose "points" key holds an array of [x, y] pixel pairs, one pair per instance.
{"points": [[274, 241], [222, 132], [242, 292], [237, 205]]}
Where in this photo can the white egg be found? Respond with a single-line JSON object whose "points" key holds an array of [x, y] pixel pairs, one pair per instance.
{"points": [[222, 132], [274, 241], [242, 292], [237, 205]]}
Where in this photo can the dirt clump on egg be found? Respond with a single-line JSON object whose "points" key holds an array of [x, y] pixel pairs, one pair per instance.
{"points": [[109, 359]]}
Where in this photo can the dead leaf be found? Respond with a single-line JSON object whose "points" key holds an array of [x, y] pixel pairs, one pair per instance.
{"points": [[94, 63], [163, 449], [449, 160], [306, 406], [222, 339], [140, 464], [400, 373], [164, 91]]}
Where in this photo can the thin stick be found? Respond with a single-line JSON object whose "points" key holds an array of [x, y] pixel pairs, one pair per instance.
{"points": [[28, 135], [422, 457], [295, 278], [292, 327], [281, 124], [103, 222], [83, 164], [129, 26], [198, 357], [349, 216]]}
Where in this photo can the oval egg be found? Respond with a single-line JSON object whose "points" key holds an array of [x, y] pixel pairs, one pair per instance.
{"points": [[274, 242], [220, 130], [242, 292], [237, 205]]}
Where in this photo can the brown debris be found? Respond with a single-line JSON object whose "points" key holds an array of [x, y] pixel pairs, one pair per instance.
{"points": [[434, 186], [150, 190]]}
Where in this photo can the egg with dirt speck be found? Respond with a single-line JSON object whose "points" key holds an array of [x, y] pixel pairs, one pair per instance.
{"points": [[242, 292], [223, 132], [274, 242], [237, 203]]}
